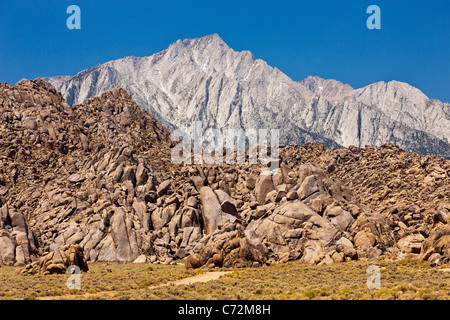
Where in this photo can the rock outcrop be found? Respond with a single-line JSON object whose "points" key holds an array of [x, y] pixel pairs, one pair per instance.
{"points": [[212, 204], [58, 261], [408, 195], [229, 247], [17, 242], [436, 248], [99, 177]]}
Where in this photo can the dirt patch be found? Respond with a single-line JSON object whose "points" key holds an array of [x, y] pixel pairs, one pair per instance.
{"points": [[205, 277]]}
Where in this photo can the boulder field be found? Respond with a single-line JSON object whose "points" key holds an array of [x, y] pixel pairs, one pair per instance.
{"points": [[95, 182]]}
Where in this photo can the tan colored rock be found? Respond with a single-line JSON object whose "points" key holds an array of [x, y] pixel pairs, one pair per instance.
{"points": [[313, 252], [163, 188], [58, 261], [436, 248], [65, 172], [229, 247], [264, 185], [211, 210], [339, 217], [411, 244], [226, 202], [192, 262]]}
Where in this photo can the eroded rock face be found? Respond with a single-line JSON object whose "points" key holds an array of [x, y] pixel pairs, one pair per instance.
{"points": [[436, 248], [286, 228], [404, 194], [17, 242], [79, 174], [212, 212], [324, 226], [263, 186], [58, 261], [408, 247], [309, 226], [99, 176], [229, 247]]}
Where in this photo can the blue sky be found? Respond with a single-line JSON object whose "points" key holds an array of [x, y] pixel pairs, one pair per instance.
{"points": [[325, 38]]}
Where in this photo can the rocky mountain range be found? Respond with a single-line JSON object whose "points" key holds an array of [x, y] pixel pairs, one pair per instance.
{"points": [[95, 182], [205, 80]]}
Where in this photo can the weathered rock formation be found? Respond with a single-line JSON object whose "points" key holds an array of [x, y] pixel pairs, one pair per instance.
{"points": [[58, 261], [17, 242], [228, 246], [99, 176]]}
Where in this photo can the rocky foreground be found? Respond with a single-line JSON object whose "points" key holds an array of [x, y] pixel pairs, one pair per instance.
{"points": [[95, 183]]}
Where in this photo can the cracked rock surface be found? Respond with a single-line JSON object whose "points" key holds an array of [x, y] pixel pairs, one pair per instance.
{"points": [[98, 177]]}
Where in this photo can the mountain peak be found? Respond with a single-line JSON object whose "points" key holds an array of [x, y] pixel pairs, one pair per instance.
{"points": [[211, 38], [202, 79], [205, 41], [395, 90], [328, 88], [207, 46]]}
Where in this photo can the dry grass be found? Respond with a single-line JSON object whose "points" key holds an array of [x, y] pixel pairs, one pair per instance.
{"points": [[102, 276], [293, 280]]}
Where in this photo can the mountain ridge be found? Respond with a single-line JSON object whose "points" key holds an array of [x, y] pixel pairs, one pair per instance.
{"points": [[203, 79]]}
